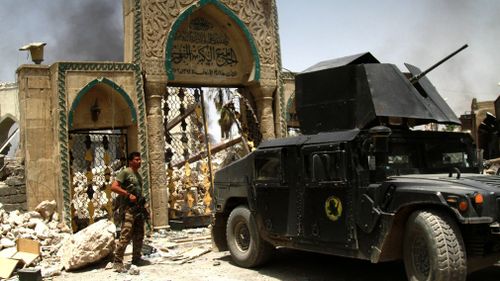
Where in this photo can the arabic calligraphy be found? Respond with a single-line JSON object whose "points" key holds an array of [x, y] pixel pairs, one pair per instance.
{"points": [[203, 49], [206, 71], [200, 37], [204, 55]]}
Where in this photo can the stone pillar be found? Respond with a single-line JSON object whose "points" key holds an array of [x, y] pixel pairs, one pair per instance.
{"points": [[156, 143], [264, 100], [39, 116]]}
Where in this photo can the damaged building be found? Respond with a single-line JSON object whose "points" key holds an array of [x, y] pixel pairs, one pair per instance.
{"points": [[76, 121]]}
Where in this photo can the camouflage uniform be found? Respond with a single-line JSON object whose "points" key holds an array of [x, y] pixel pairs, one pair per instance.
{"points": [[132, 223]]}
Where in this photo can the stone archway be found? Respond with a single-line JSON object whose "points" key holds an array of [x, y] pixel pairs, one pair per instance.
{"points": [[102, 121], [209, 45], [101, 104], [6, 122], [203, 43], [9, 134]]}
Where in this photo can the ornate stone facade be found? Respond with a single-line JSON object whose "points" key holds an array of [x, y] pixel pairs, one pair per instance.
{"points": [[226, 43], [54, 103], [158, 17], [218, 43]]}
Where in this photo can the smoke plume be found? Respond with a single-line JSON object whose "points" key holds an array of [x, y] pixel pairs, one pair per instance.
{"points": [[81, 30]]}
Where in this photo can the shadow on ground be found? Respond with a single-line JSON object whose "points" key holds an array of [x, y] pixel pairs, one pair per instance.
{"points": [[294, 265]]}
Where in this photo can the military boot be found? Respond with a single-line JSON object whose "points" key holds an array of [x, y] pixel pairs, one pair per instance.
{"points": [[140, 262], [119, 267]]}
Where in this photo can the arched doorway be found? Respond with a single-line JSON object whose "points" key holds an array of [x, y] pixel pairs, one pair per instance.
{"points": [[205, 128], [196, 44], [211, 61], [9, 135], [102, 120]]}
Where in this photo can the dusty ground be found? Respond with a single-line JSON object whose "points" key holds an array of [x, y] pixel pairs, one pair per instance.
{"points": [[285, 265]]}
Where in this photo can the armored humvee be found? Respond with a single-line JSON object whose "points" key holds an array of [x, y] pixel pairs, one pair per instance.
{"points": [[362, 182]]}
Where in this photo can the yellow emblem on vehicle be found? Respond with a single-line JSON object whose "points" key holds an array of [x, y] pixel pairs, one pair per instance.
{"points": [[333, 208]]}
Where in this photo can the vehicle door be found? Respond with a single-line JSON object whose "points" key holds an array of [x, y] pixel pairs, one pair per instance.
{"points": [[271, 190], [327, 195]]}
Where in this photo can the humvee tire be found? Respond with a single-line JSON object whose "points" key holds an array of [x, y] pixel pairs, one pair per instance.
{"points": [[433, 248], [247, 248]]}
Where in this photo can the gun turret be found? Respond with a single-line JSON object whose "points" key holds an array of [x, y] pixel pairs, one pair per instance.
{"points": [[359, 92], [415, 78]]}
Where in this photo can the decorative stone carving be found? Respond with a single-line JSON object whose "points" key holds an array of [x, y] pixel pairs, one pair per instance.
{"points": [[158, 17], [264, 100], [154, 92], [258, 17], [155, 69]]}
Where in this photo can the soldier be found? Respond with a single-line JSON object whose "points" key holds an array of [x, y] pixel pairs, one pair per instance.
{"points": [[128, 185]]}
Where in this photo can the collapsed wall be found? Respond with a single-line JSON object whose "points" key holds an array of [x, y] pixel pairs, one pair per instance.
{"points": [[12, 185]]}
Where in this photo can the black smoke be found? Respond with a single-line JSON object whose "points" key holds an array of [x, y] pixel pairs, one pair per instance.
{"points": [[74, 30], [93, 30]]}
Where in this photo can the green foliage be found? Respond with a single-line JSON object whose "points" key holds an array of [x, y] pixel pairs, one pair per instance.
{"points": [[450, 127]]}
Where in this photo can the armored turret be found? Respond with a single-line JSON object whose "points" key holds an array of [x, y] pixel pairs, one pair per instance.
{"points": [[359, 92]]}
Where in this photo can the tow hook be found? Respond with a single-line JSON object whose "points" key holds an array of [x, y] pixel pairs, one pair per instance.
{"points": [[495, 228]]}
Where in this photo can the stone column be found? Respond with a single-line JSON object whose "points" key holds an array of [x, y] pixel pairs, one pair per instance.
{"points": [[156, 143], [38, 126], [264, 100]]}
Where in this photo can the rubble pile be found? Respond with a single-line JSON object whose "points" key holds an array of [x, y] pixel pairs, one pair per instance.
{"points": [[45, 229], [492, 166], [61, 251], [187, 190], [12, 185]]}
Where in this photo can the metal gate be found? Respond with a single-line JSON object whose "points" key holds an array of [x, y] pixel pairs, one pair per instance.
{"points": [[96, 157], [189, 142]]}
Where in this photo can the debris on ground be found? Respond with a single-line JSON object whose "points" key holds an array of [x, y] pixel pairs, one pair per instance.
{"points": [[492, 166], [60, 251]]}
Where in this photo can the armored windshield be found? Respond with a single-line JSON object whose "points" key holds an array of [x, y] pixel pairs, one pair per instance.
{"points": [[434, 152]]}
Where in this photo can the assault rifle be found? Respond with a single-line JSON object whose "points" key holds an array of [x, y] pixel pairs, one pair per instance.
{"points": [[140, 208]]}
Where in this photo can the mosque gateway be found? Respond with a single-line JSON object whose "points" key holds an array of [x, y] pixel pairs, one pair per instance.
{"points": [[184, 62]]}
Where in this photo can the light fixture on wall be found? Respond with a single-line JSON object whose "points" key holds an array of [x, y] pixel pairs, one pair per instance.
{"points": [[95, 111]]}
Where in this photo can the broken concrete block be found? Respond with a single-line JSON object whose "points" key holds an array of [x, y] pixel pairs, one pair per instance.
{"points": [[46, 209], [15, 218], [42, 231], [6, 243], [5, 228], [134, 270], [90, 245]]}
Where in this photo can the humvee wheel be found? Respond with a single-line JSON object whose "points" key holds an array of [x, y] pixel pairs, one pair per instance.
{"points": [[433, 248], [243, 240]]}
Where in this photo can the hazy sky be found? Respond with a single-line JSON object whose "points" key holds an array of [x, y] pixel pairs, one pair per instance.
{"points": [[394, 31]]}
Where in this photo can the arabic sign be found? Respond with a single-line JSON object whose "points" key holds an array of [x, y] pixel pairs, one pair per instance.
{"points": [[202, 49]]}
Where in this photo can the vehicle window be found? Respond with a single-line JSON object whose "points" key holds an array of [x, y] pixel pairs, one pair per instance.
{"points": [[451, 159], [327, 166], [442, 156], [399, 161], [268, 167], [425, 155]]}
